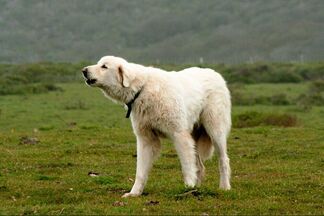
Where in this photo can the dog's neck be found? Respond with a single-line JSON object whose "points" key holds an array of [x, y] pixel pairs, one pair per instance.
{"points": [[122, 94], [119, 95]]}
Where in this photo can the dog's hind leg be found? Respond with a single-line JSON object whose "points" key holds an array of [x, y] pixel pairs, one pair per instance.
{"points": [[148, 148], [224, 166], [185, 146], [217, 123]]}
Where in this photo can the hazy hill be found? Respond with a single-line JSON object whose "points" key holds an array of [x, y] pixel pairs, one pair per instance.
{"points": [[179, 31]]}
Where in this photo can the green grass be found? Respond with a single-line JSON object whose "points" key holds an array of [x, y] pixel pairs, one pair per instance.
{"points": [[292, 90], [275, 170]]}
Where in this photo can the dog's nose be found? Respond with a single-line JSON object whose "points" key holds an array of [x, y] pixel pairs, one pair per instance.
{"points": [[85, 72]]}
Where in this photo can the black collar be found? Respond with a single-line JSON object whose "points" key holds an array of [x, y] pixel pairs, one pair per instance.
{"points": [[130, 103]]}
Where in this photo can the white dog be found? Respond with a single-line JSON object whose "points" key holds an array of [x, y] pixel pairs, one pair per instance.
{"points": [[191, 107]]}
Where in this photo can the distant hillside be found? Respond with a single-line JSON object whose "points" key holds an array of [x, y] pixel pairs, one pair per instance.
{"points": [[159, 31]]}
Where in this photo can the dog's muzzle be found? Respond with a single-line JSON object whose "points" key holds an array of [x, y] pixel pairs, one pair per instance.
{"points": [[89, 81]]}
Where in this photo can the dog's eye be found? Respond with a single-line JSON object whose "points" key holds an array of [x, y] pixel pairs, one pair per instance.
{"points": [[104, 66]]}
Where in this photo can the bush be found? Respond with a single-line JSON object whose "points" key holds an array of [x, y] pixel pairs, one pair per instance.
{"points": [[311, 71], [317, 86], [253, 119], [284, 120], [22, 89], [313, 97], [237, 96], [37, 78], [303, 102], [279, 99]]}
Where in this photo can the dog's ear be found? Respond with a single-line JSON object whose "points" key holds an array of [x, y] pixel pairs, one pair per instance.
{"points": [[125, 76]]}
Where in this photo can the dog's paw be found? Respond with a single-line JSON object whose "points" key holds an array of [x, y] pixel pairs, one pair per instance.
{"points": [[130, 195], [191, 181], [190, 184], [225, 186]]}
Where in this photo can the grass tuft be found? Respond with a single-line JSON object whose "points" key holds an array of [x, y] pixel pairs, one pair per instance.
{"points": [[45, 178], [104, 180], [76, 105]]}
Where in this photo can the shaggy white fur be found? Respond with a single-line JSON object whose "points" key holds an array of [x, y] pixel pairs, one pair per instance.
{"points": [[192, 107]]}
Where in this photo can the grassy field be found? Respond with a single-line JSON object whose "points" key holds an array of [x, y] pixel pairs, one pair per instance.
{"points": [[50, 142]]}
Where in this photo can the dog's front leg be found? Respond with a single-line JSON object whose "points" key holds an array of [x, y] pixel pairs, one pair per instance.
{"points": [[148, 148]]}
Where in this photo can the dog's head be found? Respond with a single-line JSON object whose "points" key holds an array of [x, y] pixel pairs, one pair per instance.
{"points": [[110, 72]]}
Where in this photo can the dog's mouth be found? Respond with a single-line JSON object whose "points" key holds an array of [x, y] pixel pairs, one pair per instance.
{"points": [[91, 81]]}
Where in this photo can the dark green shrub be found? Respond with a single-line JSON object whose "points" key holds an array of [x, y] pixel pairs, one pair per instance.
{"points": [[28, 89], [237, 96], [317, 86], [311, 71], [247, 119], [242, 100], [52, 87], [282, 76], [279, 99], [313, 97], [306, 101], [253, 119], [284, 120], [261, 100], [303, 102]]}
